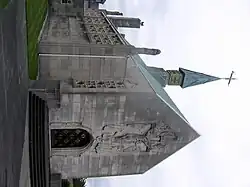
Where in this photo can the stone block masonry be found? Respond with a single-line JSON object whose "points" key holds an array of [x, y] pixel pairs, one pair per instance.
{"points": [[124, 142]]}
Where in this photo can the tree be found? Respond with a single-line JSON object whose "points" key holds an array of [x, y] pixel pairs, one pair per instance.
{"points": [[80, 182]]}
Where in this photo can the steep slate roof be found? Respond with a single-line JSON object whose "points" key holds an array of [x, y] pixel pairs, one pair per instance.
{"points": [[160, 92]]}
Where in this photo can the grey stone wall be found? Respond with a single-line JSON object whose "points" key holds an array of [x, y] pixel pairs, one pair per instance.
{"points": [[81, 68], [67, 36], [132, 128], [94, 113], [63, 29], [72, 9]]}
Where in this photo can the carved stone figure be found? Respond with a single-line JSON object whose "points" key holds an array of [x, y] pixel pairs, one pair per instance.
{"points": [[130, 128], [101, 143], [131, 137]]}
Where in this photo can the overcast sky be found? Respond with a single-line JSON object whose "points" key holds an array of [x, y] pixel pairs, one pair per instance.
{"points": [[211, 36]]}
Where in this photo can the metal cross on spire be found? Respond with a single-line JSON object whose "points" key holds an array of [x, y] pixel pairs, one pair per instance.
{"points": [[230, 78]]}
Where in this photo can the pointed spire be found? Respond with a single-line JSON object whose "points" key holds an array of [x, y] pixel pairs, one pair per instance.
{"points": [[192, 78], [184, 78]]}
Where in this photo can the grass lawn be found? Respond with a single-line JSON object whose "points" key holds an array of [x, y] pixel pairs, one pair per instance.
{"points": [[35, 14], [3, 3]]}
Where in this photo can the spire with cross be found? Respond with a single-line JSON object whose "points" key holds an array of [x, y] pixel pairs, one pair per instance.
{"points": [[230, 78], [183, 77]]}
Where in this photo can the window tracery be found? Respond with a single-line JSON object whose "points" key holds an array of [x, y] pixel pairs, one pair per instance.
{"points": [[70, 138], [100, 84], [105, 39], [94, 20]]}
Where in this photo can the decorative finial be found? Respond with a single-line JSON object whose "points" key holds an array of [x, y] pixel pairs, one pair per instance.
{"points": [[146, 51], [115, 13], [155, 51], [230, 78]]}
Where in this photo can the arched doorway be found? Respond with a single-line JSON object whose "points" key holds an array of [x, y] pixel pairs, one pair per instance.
{"points": [[70, 138]]}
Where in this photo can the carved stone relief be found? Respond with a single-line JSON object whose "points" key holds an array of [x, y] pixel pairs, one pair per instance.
{"points": [[102, 29], [95, 20], [105, 39], [99, 84], [115, 39], [99, 31], [130, 137]]}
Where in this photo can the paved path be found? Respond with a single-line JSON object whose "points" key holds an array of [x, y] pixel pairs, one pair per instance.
{"points": [[13, 91], [25, 172]]}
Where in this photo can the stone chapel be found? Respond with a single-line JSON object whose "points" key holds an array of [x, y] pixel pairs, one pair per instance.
{"points": [[108, 112]]}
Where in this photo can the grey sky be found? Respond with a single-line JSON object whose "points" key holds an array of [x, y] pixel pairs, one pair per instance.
{"points": [[211, 36]]}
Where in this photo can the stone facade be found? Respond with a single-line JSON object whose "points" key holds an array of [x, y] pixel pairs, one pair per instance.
{"points": [[103, 92], [131, 133], [84, 47]]}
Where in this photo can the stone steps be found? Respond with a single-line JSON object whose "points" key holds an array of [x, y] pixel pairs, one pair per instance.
{"points": [[47, 90], [38, 140]]}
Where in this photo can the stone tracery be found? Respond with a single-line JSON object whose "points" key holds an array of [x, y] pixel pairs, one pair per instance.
{"points": [[100, 84]]}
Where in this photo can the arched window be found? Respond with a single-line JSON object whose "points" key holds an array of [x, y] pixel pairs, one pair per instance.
{"points": [[70, 138]]}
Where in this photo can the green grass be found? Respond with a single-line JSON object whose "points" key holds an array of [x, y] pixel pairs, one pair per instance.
{"points": [[35, 14], [3, 3]]}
